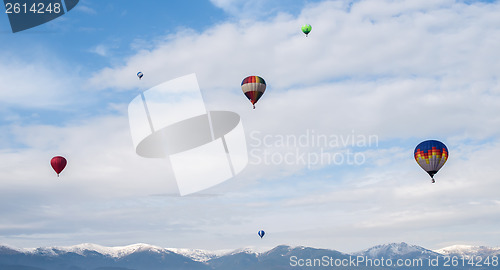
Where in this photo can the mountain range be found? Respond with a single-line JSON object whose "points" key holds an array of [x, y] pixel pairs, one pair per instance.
{"points": [[148, 257]]}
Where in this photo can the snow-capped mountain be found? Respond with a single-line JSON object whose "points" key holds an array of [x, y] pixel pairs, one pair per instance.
{"points": [[91, 256], [396, 250], [83, 249], [148, 257], [466, 250], [200, 255]]}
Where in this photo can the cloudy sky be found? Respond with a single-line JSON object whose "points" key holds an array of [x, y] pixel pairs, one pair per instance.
{"points": [[374, 77]]}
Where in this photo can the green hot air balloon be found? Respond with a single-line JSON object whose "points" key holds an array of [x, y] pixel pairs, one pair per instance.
{"points": [[306, 29]]}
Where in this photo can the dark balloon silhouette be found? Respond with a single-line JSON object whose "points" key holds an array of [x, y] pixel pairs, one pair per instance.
{"points": [[261, 234]]}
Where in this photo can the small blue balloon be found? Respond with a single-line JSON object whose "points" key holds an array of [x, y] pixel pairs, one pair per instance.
{"points": [[261, 233]]}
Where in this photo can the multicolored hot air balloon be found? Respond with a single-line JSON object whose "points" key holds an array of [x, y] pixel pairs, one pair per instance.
{"points": [[253, 87], [58, 163], [431, 155], [261, 233], [140, 74], [306, 29]]}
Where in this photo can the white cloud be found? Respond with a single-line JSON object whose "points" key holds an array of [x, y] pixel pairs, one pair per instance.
{"points": [[40, 83], [101, 159], [424, 62], [245, 9], [403, 71], [396, 70], [101, 50], [85, 9]]}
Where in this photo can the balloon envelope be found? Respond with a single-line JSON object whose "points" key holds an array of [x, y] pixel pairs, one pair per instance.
{"points": [[139, 74], [306, 29], [253, 87], [58, 163], [431, 155], [261, 234]]}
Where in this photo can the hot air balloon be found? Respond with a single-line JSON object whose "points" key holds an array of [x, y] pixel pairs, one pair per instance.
{"points": [[306, 29], [140, 74], [253, 87], [58, 163], [431, 155], [261, 233]]}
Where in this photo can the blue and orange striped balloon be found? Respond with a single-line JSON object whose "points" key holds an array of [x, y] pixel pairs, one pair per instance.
{"points": [[431, 155], [253, 87]]}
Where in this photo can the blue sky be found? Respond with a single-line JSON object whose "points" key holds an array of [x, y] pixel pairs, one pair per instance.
{"points": [[402, 71]]}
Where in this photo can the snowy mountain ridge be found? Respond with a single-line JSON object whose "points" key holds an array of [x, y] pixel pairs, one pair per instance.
{"points": [[469, 250], [81, 249], [200, 255], [149, 257], [395, 250]]}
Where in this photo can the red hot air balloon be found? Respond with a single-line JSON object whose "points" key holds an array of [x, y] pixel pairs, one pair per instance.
{"points": [[58, 163]]}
